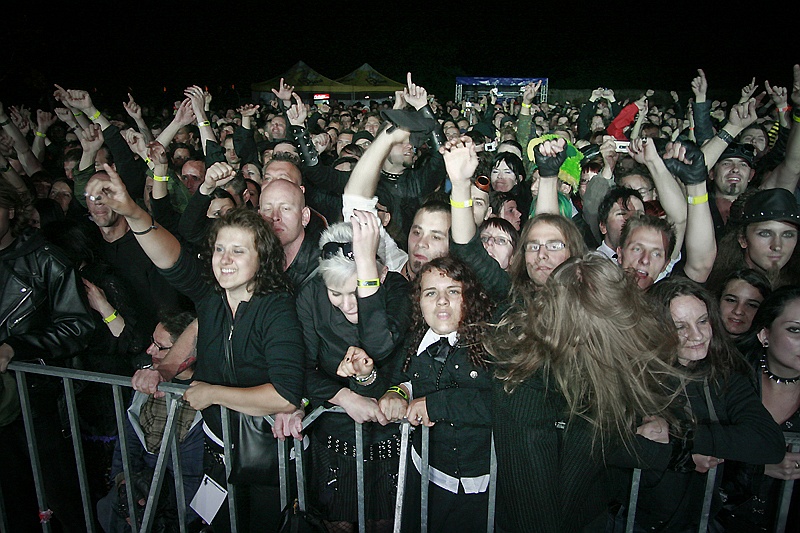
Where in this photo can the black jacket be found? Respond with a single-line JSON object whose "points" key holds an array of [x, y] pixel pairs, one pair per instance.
{"points": [[43, 313]]}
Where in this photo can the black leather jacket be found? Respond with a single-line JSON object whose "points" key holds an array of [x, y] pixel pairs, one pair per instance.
{"points": [[43, 312]]}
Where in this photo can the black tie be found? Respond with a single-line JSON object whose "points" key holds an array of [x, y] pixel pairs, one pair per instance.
{"points": [[440, 349]]}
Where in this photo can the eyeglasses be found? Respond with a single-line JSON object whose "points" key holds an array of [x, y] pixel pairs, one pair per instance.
{"points": [[644, 191], [499, 241], [160, 348], [550, 246]]}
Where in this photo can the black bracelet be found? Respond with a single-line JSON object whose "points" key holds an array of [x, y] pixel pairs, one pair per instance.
{"points": [[6, 122], [725, 136], [148, 230]]}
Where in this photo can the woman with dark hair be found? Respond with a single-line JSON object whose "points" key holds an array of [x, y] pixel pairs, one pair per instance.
{"points": [[727, 418], [45, 211], [580, 394], [508, 176], [445, 384], [499, 239], [249, 344], [355, 314], [771, 347], [741, 295]]}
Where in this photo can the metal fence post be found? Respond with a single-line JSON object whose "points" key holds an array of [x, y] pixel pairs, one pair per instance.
{"points": [[793, 440], [360, 492], [405, 432], [226, 438], [120, 412], [77, 445], [492, 488], [633, 500], [711, 478], [161, 464], [425, 473], [30, 433]]}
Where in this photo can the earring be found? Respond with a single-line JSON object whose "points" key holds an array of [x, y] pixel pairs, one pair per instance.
{"points": [[765, 343]]}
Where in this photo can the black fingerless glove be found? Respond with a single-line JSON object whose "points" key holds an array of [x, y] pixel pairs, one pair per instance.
{"points": [[549, 165], [693, 173]]}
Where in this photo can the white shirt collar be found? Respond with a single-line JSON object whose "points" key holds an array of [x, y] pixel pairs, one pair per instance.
{"points": [[431, 337]]}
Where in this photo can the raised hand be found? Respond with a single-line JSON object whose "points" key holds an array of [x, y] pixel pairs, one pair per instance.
{"points": [[97, 298], [597, 94], [91, 138], [195, 95], [136, 142], [748, 91], [687, 162], [185, 114], [78, 99], [643, 151], [64, 115], [414, 94], [217, 175], [743, 114], [549, 156], [44, 120], [157, 153], [460, 159], [366, 235], [700, 86], [399, 100], [608, 94], [248, 110], [133, 109], [297, 113], [284, 91], [779, 95], [19, 119], [531, 90], [110, 190], [796, 86]]}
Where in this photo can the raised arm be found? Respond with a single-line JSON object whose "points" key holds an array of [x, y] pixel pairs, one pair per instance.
{"points": [[460, 161], [739, 118], [787, 173], [687, 163], [183, 117], [134, 110], [160, 245], [44, 119], [199, 100], [25, 155], [549, 156]]}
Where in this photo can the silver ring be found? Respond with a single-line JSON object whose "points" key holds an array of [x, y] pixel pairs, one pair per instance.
{"points": [[797, 464], [419, 419]]}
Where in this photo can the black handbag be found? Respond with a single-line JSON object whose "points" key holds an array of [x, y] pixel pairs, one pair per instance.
{"points": [[254, 451], [293, 520]]}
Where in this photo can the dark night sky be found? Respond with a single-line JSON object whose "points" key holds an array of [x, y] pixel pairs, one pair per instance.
{"points": [[146, 46]]}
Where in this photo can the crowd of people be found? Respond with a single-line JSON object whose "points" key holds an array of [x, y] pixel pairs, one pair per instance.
{"points": [[594, 287]]}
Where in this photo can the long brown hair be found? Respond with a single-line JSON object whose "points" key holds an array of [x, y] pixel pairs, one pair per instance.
{"points": [[476, 308], [598, 339]]}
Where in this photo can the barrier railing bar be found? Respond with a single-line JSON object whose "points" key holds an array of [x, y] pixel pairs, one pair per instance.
{"points": [[283, 472], [711, 478], [634, 498], [80, 460], [161, 464], [226, 438], [360, 492], [405, 430], [4, 526], [177, 476], [425, 474], [30, 433], [301, 481], [86, 375], [793, 440], [120, 413], [492, 488]]}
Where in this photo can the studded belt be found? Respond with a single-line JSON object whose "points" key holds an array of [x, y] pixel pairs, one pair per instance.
{"points": [[385, 449]]}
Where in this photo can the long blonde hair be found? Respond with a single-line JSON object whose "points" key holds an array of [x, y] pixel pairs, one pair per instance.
{"points": [[599, 340]]}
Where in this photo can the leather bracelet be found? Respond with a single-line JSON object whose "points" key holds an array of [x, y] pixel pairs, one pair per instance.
{"points": [[725, 136], [6, 122], [461, 205], [148, 230]]}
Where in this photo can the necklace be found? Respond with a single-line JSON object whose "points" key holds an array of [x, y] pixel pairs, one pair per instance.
{"points": [[773, 377]]}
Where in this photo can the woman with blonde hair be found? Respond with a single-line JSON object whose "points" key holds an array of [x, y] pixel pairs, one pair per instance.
{"points": [[584, 381]]}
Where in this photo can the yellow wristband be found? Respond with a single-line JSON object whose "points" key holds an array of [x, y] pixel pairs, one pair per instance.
{"points": [[204, 124], [795, 117], [461, 205], [696, 200], [96, 115], [39, 134], [399, 391], [160, 178], [110, 318], [368, 283], [78, 114], [525, 105]]}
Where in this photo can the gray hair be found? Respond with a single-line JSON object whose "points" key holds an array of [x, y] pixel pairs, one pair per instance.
{"points": [[338, 269]]}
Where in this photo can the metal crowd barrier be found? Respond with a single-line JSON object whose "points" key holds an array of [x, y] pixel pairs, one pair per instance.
{"points": [[170, 449]]}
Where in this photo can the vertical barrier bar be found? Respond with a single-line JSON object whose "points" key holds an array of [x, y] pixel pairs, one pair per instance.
{"points": [[492, 488], [119, 411], [711, 478], [634, 499], [301, 480], [4, 527], [30, 433], [226, 438], [77, 445], [425, 474], [360, 492], [405, 431], [793, 440], [161, 464], [283, 472], [177, 475]]}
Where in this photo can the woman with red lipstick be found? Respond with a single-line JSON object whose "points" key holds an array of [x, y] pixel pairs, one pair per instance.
{"points": [[355, 314], [726, 416]]}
